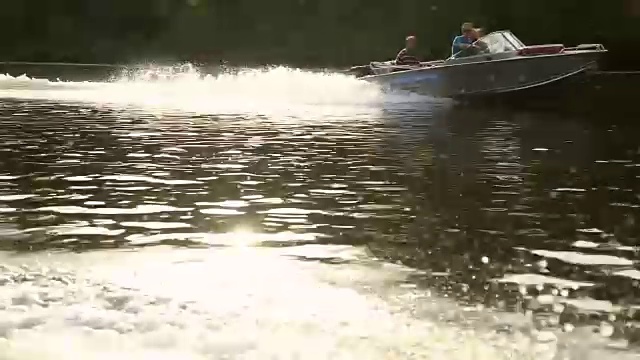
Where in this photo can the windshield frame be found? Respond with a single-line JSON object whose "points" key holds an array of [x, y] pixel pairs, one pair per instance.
{"points": [[517, 43], [507, 36]]}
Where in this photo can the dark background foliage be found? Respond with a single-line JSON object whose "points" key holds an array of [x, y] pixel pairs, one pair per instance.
{"points": [[298, 32]]}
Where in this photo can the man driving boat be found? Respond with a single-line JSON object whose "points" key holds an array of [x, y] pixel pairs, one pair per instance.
{"points": [[478, 34], [463, 44], [407, 56]]}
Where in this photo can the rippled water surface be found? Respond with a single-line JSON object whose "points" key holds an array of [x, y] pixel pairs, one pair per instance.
{"points": [[345, 223]]}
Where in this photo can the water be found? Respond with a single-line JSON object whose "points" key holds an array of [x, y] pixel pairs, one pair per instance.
{"points": [[286, 214]]}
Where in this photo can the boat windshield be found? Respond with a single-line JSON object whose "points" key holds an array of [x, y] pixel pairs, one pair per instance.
{"points": [[501, 41], [513, 39]]}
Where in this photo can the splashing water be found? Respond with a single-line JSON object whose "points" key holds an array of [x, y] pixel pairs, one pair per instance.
{"points": [[157, 304], [278, 91]]}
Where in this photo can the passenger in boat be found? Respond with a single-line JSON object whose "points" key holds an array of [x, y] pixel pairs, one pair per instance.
{"points": [[407, 56], [465, 41]]}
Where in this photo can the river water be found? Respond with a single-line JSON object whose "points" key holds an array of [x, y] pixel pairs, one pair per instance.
{"points": [[285, 214]]}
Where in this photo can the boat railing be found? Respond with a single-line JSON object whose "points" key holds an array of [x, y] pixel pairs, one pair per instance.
{"points": [[390, 64], [586, 47], [432, 63]]}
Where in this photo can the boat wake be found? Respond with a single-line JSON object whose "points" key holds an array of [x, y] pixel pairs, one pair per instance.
{"points": [[155, 304], [277, 91]]}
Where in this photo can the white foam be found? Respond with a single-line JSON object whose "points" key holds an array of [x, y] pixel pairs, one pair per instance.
{"points": [[15, 197], [140, 209], [242, 303], [239, 238], [583, 259], [225, 204], [69, 230], [276, 92], [537, 279], [151, 225], [271, 309], [631, 273], [149, 179]]}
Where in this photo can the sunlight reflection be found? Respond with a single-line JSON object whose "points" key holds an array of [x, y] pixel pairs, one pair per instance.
{"points": [[239, 238]]}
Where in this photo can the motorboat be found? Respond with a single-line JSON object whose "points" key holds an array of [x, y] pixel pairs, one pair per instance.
{"points": [[499, 63]]}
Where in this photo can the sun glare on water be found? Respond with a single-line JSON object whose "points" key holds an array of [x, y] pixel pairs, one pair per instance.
{"points": [[183, 191]]}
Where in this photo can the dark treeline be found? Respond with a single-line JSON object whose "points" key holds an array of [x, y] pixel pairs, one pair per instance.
{"points": [[298, 32]]}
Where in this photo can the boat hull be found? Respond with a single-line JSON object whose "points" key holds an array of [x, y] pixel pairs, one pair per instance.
{"points": [[491, 76]]}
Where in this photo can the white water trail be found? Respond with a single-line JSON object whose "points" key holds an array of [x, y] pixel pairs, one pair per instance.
{"points": [[236, 303], [278, 91], [243, 302]]}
